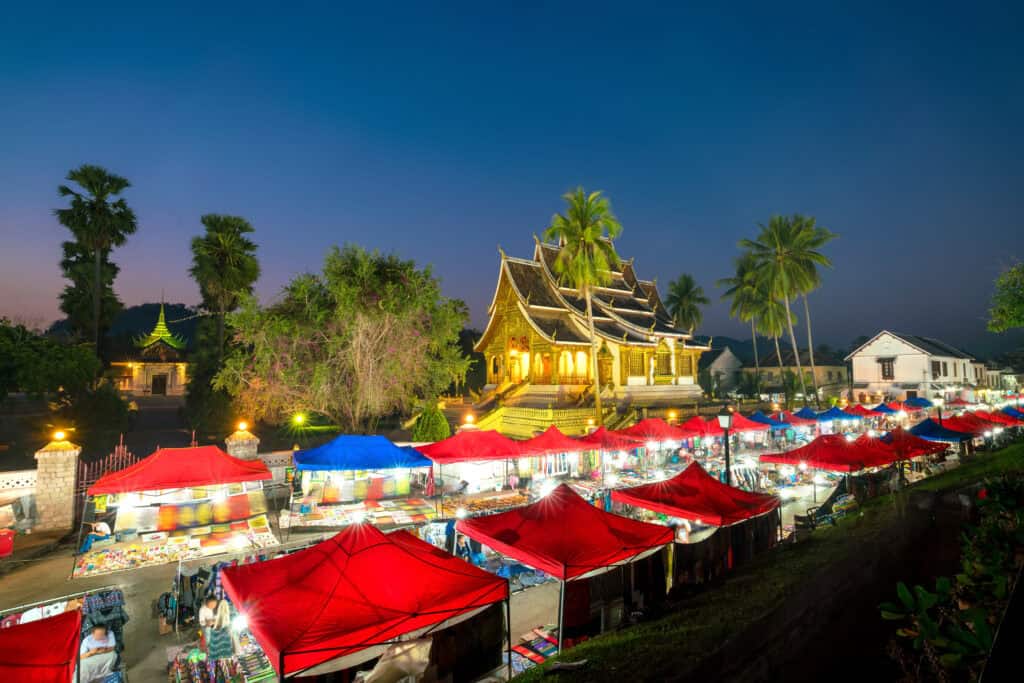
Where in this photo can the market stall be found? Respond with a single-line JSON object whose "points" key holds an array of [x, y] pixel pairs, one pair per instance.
{"points": [[371, 591], [575, 542], [749, 522], [931, 430], [355, 478], [43, 651], [177, 503]]}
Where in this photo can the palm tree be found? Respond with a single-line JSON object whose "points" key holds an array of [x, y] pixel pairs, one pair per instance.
{"points": [[782, 252], [744, 298], [224, 265], [813, 238], [587, 257], [98, 221], [684, 299]]}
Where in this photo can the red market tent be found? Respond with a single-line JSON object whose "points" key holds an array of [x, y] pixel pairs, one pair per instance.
{"points": [[831, 452], [565, 536], [550, 441], [860, 411], [906, 445], [471, 445], [656, 429], [697, 425], [178, 468], [43, 651], [959, 402], [358, 589], [744, 424], [999, 418], [695, 494], [875, 451], [968, 424], [602, 439], [795, 420]]}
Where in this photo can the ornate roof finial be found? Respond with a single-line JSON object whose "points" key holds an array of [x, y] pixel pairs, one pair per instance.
{"points": [[161, 333]]}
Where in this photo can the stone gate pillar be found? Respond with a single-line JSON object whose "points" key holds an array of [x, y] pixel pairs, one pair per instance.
{"points": [[243, 444], [57, 467]]}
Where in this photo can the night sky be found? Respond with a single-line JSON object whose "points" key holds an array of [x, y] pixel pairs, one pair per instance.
{"points": [[442, 134]]}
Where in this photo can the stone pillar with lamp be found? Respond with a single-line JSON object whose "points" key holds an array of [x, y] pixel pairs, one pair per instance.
{"points": [[57, 467], [242, 444]]}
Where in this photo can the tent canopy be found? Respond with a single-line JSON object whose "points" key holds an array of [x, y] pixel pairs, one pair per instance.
{"points": [[858, 410], [918, 402], [907, 446], [697, 425], [656, 429], [959, 402], [758, 416], [831, 452], [178, 468], [883, 409], [969, 424], [43, 651], [836, 413], [358, 589], [695, 494], [550, 441], [743, 424], [795, 420], [357, 452], [930, 430], [806, 413], [999, 417], [565, 536], [1013, 412], [471, 445], [604, 440]]}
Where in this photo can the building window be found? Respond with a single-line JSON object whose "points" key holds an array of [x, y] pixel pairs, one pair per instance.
{"points": [[936, 369], [636, 363], [888, 369], [945, 369], [954, 370], [685, 365], [663, 363]]}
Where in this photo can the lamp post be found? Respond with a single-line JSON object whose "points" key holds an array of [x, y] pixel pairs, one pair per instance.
{"points": [[725, 422]]}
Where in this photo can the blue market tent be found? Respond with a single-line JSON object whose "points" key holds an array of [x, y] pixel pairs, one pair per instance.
{"points": [[918, 402], [835, 413], [764, 419], [1013, 412], [806, 413], [933, 431], [882, 408], [355, 452]]}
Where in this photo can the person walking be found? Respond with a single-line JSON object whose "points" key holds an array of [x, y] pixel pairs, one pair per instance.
{"points": [[220, 644]]}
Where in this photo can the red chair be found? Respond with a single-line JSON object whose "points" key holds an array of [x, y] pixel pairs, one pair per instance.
{"points": [[7, 542]]}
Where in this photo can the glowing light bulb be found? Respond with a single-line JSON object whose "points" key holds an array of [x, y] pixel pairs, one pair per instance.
{"points": [[242, 426], [59, 435]]}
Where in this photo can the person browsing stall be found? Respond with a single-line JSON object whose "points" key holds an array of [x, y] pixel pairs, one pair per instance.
{"points": [[100, 532], [97, 655]]}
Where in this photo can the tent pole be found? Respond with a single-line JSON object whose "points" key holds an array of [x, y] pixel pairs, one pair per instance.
{"points": [[508, 632], [280, 675], [561, 615]]}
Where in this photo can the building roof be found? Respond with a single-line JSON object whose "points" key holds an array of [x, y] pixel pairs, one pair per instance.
{"points": [[161, 335], [626, 310], [928, 345], [770, 361]]}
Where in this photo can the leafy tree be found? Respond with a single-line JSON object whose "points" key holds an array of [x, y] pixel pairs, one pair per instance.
{"points": [[684, 300], [207, 410], [368, 337], [585, 233], [98, 222], [1007, 310], [748, 385], [431, 425], [225, 267], [783, 250], [40, 366], [745, 297], [814, 238], [76, 300]]}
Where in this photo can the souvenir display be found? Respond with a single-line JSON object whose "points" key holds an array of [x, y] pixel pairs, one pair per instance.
{"points": [[383, 513]]}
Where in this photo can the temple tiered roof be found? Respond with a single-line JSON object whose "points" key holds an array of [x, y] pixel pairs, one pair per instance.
{"points": [[627, 310], [161, 334]]}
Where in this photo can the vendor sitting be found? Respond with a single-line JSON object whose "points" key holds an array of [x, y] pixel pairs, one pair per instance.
{"points": [[100, 532], [98, 655]]}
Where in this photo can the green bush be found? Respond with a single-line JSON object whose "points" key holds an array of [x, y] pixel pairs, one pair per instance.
{"points": [[431, 425]]}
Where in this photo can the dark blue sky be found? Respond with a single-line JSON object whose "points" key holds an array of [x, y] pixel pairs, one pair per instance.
{"points": [[440, 134]]}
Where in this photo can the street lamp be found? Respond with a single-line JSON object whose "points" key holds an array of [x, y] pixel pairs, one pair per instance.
{"points": [[725, 422]]}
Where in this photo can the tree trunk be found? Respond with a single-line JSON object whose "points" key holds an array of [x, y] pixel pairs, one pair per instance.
{"points": [[598, 420], [97, 289], [220, 333], [796, 349], [757, 361], [810, 352], [778, 354]]}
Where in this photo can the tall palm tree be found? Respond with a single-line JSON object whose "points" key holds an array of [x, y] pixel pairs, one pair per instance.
{"points": [[684, 299], [772, 322], [782, 252], [224, 265], [587, 257], [744, 298], [99, 220], [813, 238]]}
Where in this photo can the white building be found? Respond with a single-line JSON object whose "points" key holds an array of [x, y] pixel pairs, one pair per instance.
{"points": [[893, 365], [723, 368]]}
